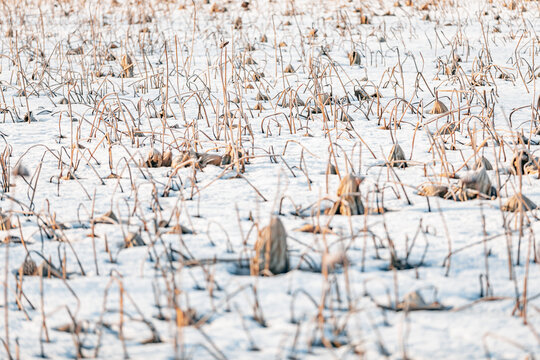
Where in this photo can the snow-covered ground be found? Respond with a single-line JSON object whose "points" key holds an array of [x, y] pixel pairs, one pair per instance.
{"points": [[84, 87]]}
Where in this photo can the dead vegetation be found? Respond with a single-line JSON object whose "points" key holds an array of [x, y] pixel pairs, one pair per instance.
{"points": [[271, 256], [393, 145]]}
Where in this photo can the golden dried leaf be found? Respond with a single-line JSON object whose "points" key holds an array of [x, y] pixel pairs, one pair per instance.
{"points": [[271, 256]]}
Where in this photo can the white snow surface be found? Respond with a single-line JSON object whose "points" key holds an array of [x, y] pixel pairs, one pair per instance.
{"points": [[181, 61]]}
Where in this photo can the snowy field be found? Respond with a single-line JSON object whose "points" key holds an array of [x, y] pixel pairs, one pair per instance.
{"points": [[270, 179]]}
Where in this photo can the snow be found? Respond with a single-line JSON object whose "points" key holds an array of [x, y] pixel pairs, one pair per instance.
{"points": [[304, 313]]}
